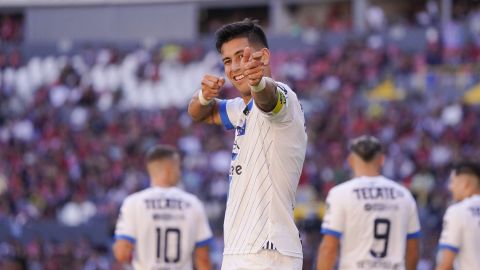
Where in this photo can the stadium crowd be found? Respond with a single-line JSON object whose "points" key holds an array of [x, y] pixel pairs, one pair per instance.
{"points": [[73, 132]]}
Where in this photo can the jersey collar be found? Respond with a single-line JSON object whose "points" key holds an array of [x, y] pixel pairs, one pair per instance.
{"points": [[248, 108]]}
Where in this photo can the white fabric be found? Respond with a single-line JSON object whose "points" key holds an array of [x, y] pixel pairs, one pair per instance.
{"points": [[264, 260], [362, 207], [170, 215], [267, 159], [461, 232]]}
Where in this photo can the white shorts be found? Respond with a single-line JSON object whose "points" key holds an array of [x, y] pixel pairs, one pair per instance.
{"points": [[263, 260]]}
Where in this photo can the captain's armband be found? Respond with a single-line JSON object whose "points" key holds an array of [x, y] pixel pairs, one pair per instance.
{"points": [[281, 101]]}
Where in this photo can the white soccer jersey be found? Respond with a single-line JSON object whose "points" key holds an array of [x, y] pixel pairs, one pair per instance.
{"points": [[373, 217], [267, 159], [461, 232], [165, 225]]}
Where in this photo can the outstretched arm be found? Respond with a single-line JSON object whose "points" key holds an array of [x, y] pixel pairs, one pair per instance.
{"points": [[263, 89], [203, 106]]}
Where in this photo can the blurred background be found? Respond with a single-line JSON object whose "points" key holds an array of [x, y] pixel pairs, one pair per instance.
{"points": [[87, 86]]}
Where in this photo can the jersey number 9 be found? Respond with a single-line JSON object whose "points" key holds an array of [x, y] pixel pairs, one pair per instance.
{"points": [[381, 232]]}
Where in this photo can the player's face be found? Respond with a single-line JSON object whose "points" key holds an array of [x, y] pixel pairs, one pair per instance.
{"points": [[457, 186], [232, 53]]}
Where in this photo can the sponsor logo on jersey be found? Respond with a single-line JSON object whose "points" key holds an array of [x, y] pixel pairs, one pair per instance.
{"points": [[373, 193]]}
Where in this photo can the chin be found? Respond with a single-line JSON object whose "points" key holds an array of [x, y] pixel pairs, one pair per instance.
{"points": [[244, 89]]}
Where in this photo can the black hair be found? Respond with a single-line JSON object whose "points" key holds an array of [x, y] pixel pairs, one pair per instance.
{"points": [[247, 28], [366, 146], [159, 152], [467, 167]]}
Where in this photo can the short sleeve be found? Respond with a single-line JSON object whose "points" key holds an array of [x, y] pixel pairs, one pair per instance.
{"points": [[125, 227], [230, 110], [284, 110], [451, 231], [204, 233], [334, 219], [414, 230]]}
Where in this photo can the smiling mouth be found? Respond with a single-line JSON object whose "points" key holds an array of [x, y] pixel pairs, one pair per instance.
{"points": [[238, 77]]}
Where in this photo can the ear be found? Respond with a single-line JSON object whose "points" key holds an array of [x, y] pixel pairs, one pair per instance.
{"points": [[351, 160], [382, 160], [265, 56]]}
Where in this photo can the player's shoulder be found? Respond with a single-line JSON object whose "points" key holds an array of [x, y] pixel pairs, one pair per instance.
{"points": [[286, 89], [404, 191], [134, 197], [236, 101], [455, 210], [395, 184], [460, 206], [187, 196]]}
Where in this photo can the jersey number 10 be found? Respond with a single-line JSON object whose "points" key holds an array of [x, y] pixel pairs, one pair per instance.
{"points": [[381, 232], [167, 236]]}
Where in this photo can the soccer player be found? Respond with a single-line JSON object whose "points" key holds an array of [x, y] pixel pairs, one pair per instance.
{"points": [[267, 155], [372, 219], [460, 237], [162, 226]]}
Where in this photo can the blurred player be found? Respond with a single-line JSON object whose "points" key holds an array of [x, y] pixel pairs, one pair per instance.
{"points": [[372, 219], [460, 237], [161, 226], [267, 156]]}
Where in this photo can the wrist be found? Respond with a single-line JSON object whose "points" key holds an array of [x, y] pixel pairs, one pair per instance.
{"points": [[202, 99], [260, 86]]}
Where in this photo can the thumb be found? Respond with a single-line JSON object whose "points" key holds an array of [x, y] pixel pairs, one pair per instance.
{"points": [[247, 54], [221, 82]]}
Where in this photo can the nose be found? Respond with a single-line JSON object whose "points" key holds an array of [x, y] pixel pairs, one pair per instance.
{"points": [[235, 65]]}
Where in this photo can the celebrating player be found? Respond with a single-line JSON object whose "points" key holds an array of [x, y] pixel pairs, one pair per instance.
{"points": [[373, 219], [267, 156], [461, 224], [161, 226]]}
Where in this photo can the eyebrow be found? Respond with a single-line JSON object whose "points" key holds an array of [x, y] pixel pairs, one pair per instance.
{"points": [[236, 53]]}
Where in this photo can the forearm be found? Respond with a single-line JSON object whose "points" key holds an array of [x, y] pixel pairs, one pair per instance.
{"points": [[199, 112], [202, 259], [412, 254], [411, 263], [326, 258], [203, 265], [266, 99], [446, 260]]}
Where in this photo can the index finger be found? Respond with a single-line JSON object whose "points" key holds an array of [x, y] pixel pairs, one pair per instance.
{"points": [[247, 53], [212, 78], [257, 55]]}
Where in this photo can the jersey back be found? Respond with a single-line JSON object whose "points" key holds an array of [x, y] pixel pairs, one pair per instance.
{"points": [[165, 225], [373, 217]]}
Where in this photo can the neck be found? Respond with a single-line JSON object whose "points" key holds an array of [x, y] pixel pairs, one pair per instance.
{"points": [[366, 171], [246, 99], [160, 182], [472, 193]]}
